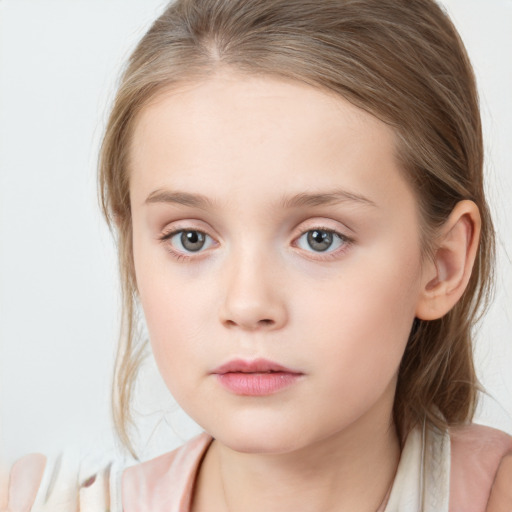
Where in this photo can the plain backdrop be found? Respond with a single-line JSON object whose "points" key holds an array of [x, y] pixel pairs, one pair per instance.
{"points": [[59, 61]]}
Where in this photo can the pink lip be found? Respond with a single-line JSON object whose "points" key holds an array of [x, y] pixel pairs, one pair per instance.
{"points": [[255, 378]]}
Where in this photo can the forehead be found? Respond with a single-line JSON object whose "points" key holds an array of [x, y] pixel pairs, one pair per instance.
{"points": [[232, 135]]}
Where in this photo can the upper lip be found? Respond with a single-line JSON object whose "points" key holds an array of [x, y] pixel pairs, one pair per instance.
{"points": [[254, 366]]}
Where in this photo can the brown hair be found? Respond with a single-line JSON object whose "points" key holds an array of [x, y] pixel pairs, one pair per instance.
{"points": [[400, 60]]}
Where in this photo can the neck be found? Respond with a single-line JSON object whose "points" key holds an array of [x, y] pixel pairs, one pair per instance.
{"points": [[349, 470]]}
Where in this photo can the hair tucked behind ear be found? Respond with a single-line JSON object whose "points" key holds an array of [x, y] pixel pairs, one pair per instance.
{"points": [[400, 60]]}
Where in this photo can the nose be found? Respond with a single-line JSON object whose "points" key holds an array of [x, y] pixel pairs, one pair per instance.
{"points": [[254, 295]]}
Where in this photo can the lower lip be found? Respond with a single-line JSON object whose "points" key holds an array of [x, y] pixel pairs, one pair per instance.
{"points": [[257, 384]]}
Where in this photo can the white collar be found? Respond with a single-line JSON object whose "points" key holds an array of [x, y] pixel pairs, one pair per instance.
{"points": [[422, 481]]}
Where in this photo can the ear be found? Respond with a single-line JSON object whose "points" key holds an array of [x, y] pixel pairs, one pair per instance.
{"points": [[446, 276]]}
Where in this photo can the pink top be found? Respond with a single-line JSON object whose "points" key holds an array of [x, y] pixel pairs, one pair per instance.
{"points": [[440, 472]]}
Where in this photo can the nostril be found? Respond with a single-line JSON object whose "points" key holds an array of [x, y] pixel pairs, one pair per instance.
{"points": [[260, 323]]}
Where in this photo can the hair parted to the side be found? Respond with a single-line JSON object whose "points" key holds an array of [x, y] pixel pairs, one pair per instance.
{"points": [[400, 60]]}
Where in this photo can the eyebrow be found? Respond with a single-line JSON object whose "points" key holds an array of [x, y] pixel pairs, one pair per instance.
{"points": [[324, 198], [300, 200], [183, 198]]}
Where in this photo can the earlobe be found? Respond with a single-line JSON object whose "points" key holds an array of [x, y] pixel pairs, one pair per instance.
{"points": [[447, 275]]}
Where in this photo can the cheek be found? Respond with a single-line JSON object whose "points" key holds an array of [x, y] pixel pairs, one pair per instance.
{"points": [[365, 316], [175, 336], [178, 311], [163, 296], [174, 316]]}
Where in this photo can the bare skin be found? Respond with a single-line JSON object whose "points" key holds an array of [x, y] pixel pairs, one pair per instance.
{"points": [[258, 291], [323, 473]]}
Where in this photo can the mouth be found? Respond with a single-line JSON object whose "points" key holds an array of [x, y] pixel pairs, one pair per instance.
{"points": [[255, 378]]}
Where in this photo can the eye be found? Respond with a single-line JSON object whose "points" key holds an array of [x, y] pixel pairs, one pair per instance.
{"points": [[188, 240], [321, 240]]}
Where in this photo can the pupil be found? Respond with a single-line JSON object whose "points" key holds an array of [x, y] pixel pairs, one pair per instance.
{"points": [[319, 240], [192, 240]]}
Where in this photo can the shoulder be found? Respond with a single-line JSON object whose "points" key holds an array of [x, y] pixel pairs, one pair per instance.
{"points": [[19, 487], [57, 484], [164, 483], [476, 453]]}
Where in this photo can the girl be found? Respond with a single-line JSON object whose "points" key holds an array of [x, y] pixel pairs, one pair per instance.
{"points": [[296, 189]]}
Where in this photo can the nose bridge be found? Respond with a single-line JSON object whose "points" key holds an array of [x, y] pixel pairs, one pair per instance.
{"points": [[253, 296]]}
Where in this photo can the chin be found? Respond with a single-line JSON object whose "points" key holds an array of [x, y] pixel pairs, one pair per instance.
{"points": [[259, 444], [261, 437]]}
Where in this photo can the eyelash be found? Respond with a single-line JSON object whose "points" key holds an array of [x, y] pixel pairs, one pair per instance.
{"points": [[331, 255], [346, 241], [179, 256]]}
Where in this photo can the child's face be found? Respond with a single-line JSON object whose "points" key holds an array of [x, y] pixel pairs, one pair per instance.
{"points": [[245, 283]]}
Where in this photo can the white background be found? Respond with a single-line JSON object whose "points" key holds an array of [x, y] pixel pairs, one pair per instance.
{"points": [[59, 61]]}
